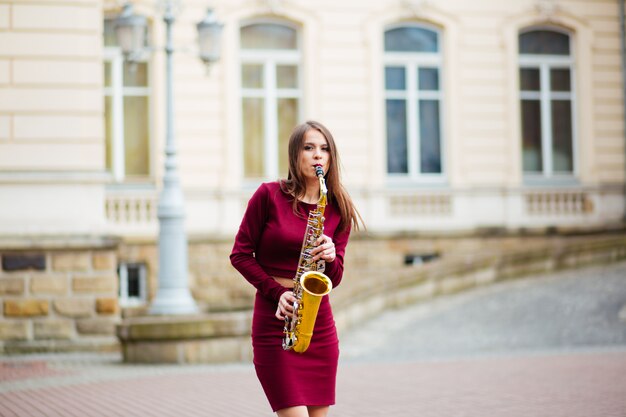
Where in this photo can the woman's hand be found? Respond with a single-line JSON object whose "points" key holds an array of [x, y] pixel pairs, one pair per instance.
{"points": [[325, 249], [285, 305]]}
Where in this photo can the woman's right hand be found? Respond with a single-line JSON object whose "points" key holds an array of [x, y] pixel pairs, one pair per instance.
{"points": [[285, 305]]}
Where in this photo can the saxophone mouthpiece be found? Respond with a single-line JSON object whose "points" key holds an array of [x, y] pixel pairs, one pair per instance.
{"points": [[319, 171]]}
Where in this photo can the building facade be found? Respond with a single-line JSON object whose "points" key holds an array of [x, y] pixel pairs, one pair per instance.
{"points": [[450, 117]]}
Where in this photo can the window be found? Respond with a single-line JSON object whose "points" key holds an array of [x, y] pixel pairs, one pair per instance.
{"points": [[126, 112], [270, 96], [413, 98], [546, 94], [132, 288]]}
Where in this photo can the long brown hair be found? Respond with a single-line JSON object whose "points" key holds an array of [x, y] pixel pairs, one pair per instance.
{"points": [[295, 184]]}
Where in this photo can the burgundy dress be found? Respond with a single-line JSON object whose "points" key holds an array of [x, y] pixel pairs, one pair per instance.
{"points": [[268, 244]]}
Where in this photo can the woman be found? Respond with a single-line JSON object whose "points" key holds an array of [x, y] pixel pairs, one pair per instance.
{"points": [[266, 252]]}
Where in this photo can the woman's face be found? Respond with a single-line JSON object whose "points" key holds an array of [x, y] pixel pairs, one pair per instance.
{"points": [[315, 151]]}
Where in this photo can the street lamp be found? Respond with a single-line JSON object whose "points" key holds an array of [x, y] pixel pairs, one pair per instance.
{"points": [[209, 34], [173, 295], [130, 30]]}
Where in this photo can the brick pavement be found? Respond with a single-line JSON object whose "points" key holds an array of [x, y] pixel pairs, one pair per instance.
{"points": [[572, 385], [575, 384], [16, 370], [581, 376]]}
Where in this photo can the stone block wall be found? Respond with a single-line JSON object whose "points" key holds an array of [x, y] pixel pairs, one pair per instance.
{"points": [[390, 271], [58, 299], [377, 278], [214, 282], [217, 286], [64, 296]]}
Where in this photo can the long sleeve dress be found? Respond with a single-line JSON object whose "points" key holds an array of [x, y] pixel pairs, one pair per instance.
{"points": [[268, 244]]}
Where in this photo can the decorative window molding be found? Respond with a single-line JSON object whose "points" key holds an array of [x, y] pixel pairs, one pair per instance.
{"points": [[127, 109], [413, 82], [271, 95], [547, 103]]}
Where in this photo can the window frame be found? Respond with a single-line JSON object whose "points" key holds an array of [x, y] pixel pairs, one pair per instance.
{"points": [[117, 91], [124, 299], [269, 59], [545, 63], [412, 62]]}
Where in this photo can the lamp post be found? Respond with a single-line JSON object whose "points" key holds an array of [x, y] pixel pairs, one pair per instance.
{"points": [[173, 295]]}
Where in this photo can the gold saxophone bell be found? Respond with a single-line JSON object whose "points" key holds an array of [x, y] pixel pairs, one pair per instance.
{"points": [[315, 285]]}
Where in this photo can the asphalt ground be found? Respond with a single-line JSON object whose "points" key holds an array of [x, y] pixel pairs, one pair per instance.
{"points": [[550, 346]]}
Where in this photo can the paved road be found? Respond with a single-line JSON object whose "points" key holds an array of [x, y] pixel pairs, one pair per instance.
{"points": [[548, 346], [569, 311]]}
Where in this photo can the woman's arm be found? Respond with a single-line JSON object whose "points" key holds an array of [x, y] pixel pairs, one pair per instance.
{"points": [[242, 256]]}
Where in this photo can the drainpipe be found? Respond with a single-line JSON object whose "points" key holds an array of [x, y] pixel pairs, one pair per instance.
{"points": [[623, 52]]}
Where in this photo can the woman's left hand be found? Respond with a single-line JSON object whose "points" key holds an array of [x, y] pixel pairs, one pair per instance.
{"points": [[325, 249]]}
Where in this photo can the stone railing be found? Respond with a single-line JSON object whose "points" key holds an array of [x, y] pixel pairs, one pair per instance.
{"points": [[558, 203], [406, 210], [422, 204], [131, 212]]}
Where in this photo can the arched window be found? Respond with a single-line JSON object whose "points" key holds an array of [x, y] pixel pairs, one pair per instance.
{"points": [[413, 96], [546, 94], [270, 96]]}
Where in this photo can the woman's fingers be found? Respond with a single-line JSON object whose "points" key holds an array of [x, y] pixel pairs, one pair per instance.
{"points": [[325, 249], [285, 305]]}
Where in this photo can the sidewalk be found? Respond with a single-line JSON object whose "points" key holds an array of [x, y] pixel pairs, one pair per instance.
{"points": [[583, 384], [548, 346]]}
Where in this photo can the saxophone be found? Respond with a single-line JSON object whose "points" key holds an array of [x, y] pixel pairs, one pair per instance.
{"points": [[310, 283]]}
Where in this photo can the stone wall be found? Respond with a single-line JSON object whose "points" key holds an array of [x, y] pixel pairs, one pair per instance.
{"points": [[63, 295], [218, 287], [56, 298], [377, 278]]}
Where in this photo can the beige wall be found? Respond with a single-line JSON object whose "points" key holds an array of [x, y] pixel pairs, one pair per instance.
{"points": [[51, 79], [51, 128], [343, 87], [342, 47]]}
